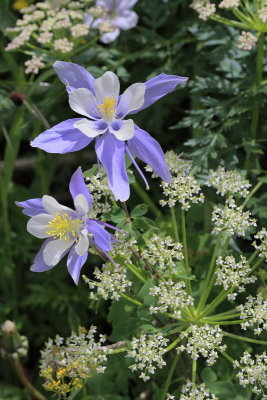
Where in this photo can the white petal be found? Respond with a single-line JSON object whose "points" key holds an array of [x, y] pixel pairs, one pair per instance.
{"points": [[125, 131], [55, 250], [81, 204], [53, 207], [107, 85], [132, 99], [83, 102], [89, 128], [83, 244], [37, 225]]}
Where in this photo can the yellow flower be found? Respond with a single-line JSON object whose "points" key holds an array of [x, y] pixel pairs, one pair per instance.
{"points": [[19, 4]]}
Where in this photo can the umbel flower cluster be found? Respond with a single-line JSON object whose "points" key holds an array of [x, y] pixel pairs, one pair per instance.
{"points": [[65, 364], [58, 27], [253, 372], [191, 391]]}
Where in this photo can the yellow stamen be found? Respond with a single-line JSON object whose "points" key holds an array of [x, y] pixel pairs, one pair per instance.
{"points": [[107, 108], [64, 227]]}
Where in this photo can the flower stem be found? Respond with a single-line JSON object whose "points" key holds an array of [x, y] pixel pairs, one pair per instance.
{"points": [[252, 192], [25, 381], [173, 344], [169, 377], [245, 339], [229, 358], [146, 198], [174, 224], [135, 271], [186, 259], [194, 371], [136, 302], [258, 78]]}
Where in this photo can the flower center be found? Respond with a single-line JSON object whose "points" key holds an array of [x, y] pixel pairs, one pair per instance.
{"points": [[64, 227], [107, 108]]}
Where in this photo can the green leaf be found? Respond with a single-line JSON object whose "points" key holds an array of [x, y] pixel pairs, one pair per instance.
{"points": [[139, 210], [208, 375], [144, 295], [143, 223]]}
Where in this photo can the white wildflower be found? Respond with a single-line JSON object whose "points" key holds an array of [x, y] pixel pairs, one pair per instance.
{"points": [[231, 219], [192, 391], [45, 37], [176, 164], [79, 30], [229, 4], [262, 246], [171, 297], [147, 351], [184, 190], [111, 282], [262, 13], [247, 41], [34, 65], [228, 182], [204, 8], [255, 310], [253, 372], [203, 340], [163, 254], [233, 275], [63, 45]]}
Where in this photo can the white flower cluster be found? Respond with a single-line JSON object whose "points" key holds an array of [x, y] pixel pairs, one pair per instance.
{"points": [[204, 8], [147, 351], [34, 65], [233, 275], [231, 219], [229, 4], [192, 391], [228, 182], [175, 162], [111, 281], [262, 13], [163, 254], [184, 189], [53, 25], [64, 364], [124, 247], [203, 340], [97, 185], [255, 309], [262, 246], [253, 372], [171, 297], [246, 41]]}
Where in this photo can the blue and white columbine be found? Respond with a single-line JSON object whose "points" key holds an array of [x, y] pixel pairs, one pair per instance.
{"points": [[66, 230], [104, 111]]}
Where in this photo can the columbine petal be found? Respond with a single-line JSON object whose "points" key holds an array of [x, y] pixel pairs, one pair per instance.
{"points": [[38, 264], [132, 99], [127, 20], [110, 36], [55, 250], [83, 102], [110, 152], [91, 128], [77, 186], [75, 264], [107, 85], [158, 87], [81, 204], [51, 206], [102, 238], [37, 225], [125, 4], [62, 138], [31, 207], [147, 149], [82, 246], [74, 76], [122, 130]]}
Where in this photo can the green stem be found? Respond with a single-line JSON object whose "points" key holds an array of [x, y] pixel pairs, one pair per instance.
{"points": [[37, 113], [204, 296], [252, 192], [260, 260], [223, 317], [194, 371], [245, 339], [186, 259], [258, 78], [229, 358], [236, 322], [169, 377], [135, 271], [136, 302], [174, 224], [25, 381], [146, 198]]}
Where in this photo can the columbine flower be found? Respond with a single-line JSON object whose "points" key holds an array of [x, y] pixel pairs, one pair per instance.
{"points": [[253, 372], [99, 101], [65, 230], [117, 15]]}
